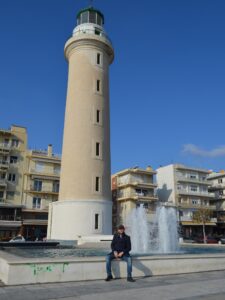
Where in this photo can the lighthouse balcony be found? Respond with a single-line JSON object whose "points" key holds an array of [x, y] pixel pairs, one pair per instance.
{"points": [[91, 29]]}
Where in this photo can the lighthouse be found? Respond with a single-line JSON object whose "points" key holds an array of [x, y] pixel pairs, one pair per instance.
{"points": [[85, 206]]}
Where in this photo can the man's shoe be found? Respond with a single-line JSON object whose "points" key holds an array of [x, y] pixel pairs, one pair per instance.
{"points": [[130, 279], [108, 278]]}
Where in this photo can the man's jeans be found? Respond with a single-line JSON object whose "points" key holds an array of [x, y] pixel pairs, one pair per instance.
{"points": [[125, 258]]}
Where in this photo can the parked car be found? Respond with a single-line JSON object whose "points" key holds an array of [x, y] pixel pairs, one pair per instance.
{"points": [[222, 240], [209, 240], [18, 239]]}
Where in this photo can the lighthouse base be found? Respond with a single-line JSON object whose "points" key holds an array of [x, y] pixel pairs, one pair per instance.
{"points": [[70, 220]]}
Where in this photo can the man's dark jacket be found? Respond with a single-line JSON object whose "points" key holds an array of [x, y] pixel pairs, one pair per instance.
{"points": [[121, 243]]}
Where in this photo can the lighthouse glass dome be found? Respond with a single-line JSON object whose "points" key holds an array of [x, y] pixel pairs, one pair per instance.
{"points": [[90, 15]]}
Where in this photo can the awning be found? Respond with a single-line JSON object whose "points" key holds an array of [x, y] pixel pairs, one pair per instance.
{"points": [[186, 223]]}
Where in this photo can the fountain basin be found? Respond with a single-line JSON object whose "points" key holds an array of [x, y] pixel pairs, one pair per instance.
{"points": [[70, 268]]}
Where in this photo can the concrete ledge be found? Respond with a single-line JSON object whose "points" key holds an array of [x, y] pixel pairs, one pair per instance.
{"points": [[15, 270]]}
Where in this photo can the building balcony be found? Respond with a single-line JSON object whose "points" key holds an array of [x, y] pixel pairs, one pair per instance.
{"points": [[4, 164], [44, 174], [137, 184], [196, 206], [35, 222], [33, 190], [190, 219], [10, 218], [10, 221], [215, 187], [192, 180], [137, 197], [3, 183], [2, 200], [218, 198], [197, 193], [35, 210], [5, 147]]}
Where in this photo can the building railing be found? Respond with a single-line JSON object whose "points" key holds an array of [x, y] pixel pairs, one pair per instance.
{"points": [[45, 153], [196, 180], [45, 172], [91, 32], [217, 186], [136, 182], [2, 181], [197, 193], [3, 162], [5, 146], [134, 194], [9, 218], [190, 219], [44, 190], [198, 205], [2, 200]]}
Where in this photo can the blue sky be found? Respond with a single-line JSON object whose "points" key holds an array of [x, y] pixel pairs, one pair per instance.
{"points": [[167, 81]]}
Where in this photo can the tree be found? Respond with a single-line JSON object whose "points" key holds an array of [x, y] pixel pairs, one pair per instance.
{"points": [[202, 216]]}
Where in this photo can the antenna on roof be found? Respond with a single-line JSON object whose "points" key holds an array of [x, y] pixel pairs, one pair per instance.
{"points": [[91, 3]]}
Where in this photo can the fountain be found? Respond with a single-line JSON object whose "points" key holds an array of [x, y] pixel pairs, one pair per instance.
{"points": [[157, 236], [155, 251]]}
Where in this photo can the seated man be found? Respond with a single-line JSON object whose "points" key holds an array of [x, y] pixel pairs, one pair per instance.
{"points": [[121, 246]]}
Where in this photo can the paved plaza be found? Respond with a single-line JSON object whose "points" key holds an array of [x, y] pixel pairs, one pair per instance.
{"points": [[207, 286]]}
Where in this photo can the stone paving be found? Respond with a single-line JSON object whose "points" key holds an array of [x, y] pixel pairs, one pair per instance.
{"points": [[207, 286]]}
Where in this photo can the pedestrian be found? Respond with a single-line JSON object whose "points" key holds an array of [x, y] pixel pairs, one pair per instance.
{"points": [[121, 246]]}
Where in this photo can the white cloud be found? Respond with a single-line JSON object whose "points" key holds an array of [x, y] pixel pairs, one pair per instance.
{"points": [[195, 150]]}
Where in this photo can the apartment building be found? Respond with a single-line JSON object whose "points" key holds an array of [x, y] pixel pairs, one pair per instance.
{"points": [[187, 189], [29, 181], [13, 145], [131, 188], [217, 186], [41, 187]]}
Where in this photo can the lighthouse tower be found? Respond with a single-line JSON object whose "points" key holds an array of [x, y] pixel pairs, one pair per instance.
{"points": [[85, 207]]}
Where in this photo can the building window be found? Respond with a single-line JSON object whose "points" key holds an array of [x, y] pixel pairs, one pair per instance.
{"points": [[13, 159], [56, 186], [98, 58], [98, 116], [39, 167], [57, 170], [2, 175], [194, 188], [6, 142], [220, 180], [97, 184], [1, 194], [15, 143], [145, 205], [141, 192], [96, 221], [12, 177], [97, 149], [98, 85], [36, 202], [10, 195], [37, 185], [97, 32], [193, 176]]}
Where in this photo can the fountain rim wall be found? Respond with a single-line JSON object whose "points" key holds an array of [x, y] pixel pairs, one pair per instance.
{"points": [[46, 270]]}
